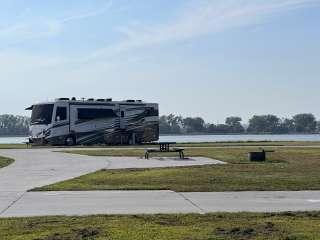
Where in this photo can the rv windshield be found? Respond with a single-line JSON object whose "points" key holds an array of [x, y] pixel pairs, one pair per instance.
{"points": [[41, 114]]}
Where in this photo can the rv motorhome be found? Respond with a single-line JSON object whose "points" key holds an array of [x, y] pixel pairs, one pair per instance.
{"points": [[93, 121]]}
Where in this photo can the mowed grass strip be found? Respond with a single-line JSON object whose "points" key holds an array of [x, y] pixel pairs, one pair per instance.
{"points": [[163, 227], [5, 161], [13, 146], [286, 169]]}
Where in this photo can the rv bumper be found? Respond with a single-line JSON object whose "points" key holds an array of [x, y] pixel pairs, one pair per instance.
{"points": [[38, 141]]}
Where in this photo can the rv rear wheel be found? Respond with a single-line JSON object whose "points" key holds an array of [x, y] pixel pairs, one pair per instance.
{"points": [[70, 141]]}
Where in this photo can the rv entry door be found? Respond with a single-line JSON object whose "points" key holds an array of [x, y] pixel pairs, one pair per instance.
{"points": [[123, 121]]}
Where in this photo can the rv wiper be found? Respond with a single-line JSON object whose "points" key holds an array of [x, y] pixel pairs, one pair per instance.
{"points": [[39, 120]]}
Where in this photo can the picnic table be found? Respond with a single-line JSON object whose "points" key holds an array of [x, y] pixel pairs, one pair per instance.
{"points": [[164, 147]]}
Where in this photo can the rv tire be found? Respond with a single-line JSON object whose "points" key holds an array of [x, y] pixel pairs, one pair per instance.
{"points": [[70, 141]]}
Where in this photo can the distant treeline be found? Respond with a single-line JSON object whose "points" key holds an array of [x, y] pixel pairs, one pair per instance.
{"points": [[11, 125], [263, 124]]}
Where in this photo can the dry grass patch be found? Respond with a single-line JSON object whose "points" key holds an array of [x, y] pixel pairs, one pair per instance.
{"points": [[162, 227]]}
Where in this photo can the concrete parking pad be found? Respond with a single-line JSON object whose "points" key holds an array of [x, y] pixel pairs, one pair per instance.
{"points": [[268, 201], [39, 167], [157, 202], [99, 202]]}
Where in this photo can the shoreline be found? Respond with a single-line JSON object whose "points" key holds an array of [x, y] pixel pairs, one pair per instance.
{"points": [[14, 136], [204, 134], [236, 134]]}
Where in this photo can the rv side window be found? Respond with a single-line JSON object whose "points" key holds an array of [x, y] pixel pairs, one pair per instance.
{"points": [[122, 114], [93, 113], [61, 114]]}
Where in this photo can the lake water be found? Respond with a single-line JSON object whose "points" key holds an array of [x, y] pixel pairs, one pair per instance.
{"points": [[237, 138], [13, 140], [206, 138]]}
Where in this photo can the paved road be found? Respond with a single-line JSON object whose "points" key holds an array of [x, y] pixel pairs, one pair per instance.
{"points": [[38, 167], [151, 202], [35, 168]]}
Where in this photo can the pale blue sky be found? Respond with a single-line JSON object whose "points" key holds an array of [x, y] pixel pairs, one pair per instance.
{"points": [[210, 58]]}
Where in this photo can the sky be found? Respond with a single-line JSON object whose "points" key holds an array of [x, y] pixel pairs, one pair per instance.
{"points": [[207, 58]]}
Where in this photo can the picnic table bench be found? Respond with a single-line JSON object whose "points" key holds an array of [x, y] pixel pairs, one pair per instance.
{"points": [[28, 143], [164, 147]]}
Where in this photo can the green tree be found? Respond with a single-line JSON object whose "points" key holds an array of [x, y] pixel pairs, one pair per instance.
{"points": [[318, 127], [264, 124], [222, 128], [211, 128], [305, 123], [11, 125], [234, 125], [170, 124], [287, 126], [164, 126], [194, 124]]}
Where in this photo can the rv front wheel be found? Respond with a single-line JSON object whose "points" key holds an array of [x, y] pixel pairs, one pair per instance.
{"points": [[70, 141]]}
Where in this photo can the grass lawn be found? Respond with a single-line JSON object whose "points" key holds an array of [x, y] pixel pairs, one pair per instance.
{"points": [[163, 227], [5, 161], [13, 146], [286, 169]]}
